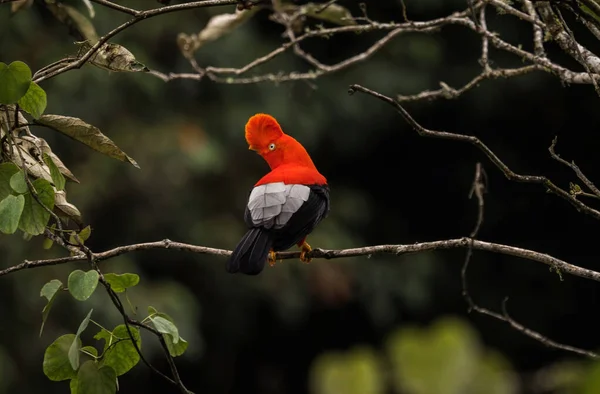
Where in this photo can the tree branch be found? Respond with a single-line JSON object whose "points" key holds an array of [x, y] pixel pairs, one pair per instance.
{"points": [[139, 16], [457, 243], [510, 174]]}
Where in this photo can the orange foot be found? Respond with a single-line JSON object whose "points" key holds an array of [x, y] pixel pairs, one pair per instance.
{"points": [[272, 258], [304, 249]]}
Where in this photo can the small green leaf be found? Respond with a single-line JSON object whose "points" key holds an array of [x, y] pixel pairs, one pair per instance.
{"points": [[7, 170], [35, 217], [15, 79], [18, 183], [56, 359], [121, 354], [92, 379], [82, 284], [50, 291], [165, 326], [47, 243], [10, 212], [76, 345], [89, 349], [86, 134], [34, 101], [107, 336], [175, 349], [57, 177], [120, 282], [83, 235]]}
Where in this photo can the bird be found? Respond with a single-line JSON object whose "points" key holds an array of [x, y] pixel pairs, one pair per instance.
{"points": [[285, 205]]}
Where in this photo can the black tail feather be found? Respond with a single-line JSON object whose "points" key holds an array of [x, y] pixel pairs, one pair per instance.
{"points": [[251, 252]]}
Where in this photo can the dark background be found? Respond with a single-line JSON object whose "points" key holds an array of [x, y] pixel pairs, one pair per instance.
{"points": [[388, 186]]}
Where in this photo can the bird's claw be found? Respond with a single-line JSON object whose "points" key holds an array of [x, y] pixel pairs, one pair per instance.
{"points": [[272, 258], [304, 249]]}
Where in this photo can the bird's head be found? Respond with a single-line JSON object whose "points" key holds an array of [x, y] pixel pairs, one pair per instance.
{"points": [[265, 137]]}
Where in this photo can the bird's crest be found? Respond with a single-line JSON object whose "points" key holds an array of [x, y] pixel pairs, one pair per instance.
{"points": [[261, 129]]}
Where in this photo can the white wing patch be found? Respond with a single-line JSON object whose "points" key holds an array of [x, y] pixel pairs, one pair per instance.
{"points": [[273, 204]]}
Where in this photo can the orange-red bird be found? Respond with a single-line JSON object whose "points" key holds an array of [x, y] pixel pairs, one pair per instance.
{"points": [[285, 205]]}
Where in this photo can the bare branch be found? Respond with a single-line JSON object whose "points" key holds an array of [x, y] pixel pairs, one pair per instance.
{"points": [[117, 7], [142, 15], [510, 174], [574, 167], [538, 33], [449, 92], [457, 243]]}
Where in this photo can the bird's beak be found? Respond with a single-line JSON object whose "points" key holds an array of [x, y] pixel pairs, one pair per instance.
{"points": [[254, 148]]}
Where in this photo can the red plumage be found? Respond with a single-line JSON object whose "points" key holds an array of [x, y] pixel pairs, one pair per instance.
{"points": [[285, 205]]}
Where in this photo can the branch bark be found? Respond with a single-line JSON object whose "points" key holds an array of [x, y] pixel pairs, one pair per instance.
{"points": [[457, 243]]}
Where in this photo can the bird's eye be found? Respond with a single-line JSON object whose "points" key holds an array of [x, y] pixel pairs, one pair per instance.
{"points": [[271, 146]]}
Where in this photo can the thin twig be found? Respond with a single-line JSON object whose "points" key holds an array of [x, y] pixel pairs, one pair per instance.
{"points": [[142, 15], [574, 167], [510, 174], [478, 189]]}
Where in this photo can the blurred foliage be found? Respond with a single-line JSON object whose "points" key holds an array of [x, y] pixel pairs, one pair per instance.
{"points": [[446, 358]]}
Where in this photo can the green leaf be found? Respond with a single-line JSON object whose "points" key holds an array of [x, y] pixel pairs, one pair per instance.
{"points": [[56, 359], [165, 326], [34, 101], [121, 354], [15, 79], [10, 212], [175, 349], [82, 284], [83, 235], [76, 345], [92, 379], [35, 217], [73, 385], [86, 134], [7, 170], [120, 282], [50, 290], [107, 336], [57, 177], [89, 349], [18, 183]]}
